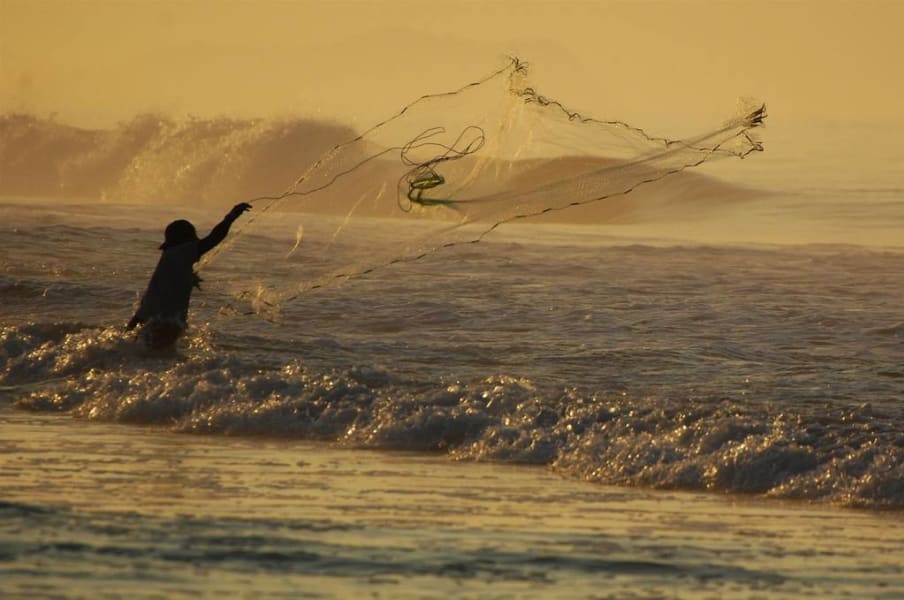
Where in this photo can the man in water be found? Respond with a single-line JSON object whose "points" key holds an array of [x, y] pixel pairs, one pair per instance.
{"points": [[163, 312]]}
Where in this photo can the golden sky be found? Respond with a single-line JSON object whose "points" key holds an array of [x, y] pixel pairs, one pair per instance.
{"points": [[828, 70], [94, 62]]}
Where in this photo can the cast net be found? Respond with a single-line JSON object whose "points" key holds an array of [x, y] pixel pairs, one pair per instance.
{"points": [[449, 169]]}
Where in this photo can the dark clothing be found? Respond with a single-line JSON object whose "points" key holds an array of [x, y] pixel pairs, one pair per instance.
{"points": [[216, 235], [164, 306]]}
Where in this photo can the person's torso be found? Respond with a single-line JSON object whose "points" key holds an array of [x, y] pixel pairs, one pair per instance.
{"points": [[169, 291]]}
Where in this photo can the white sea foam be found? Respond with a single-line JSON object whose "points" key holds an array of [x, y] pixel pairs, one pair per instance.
{"points": [[851, 456]]}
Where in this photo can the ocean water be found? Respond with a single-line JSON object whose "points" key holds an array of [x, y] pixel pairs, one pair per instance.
{"points": [[773, 370], [105, 510], [680, 406]]}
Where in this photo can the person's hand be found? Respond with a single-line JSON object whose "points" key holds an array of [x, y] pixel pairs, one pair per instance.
{"points": [[238, 209]]}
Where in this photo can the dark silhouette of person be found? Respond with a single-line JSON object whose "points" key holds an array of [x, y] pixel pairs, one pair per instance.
{"points": [[163, 311]]}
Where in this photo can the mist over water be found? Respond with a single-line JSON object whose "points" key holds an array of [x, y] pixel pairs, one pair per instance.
{"points": [[152, 159], [799, 191]]}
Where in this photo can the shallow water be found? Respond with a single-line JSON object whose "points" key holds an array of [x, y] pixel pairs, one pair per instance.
{"points": [[775, 370], [101, 509]]}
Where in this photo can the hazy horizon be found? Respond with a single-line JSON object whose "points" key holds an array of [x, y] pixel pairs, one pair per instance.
{"points": [[825, 69], [94, 63]]}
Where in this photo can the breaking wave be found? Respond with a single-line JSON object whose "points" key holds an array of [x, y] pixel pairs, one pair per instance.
{"points": [[848, 456], [156, 159]]}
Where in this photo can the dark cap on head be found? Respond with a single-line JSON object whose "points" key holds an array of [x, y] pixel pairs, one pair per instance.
{"points": [[178, 232]]}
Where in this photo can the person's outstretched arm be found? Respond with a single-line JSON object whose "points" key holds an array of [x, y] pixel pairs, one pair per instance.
{"points": [[218, 233]]}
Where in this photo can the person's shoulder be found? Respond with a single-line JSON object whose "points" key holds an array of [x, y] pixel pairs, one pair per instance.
{"points": [[184, 251]]}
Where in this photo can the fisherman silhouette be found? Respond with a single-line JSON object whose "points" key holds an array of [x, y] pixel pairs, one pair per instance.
{"points": [[163, 311]]}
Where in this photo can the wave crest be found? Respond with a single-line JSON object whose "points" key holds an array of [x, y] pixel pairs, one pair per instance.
{"points": [[155, 159], [853, 457]]}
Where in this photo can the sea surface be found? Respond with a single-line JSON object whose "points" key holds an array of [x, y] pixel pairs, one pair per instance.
{"points": [[607, 374], [105, 510], [693, 389]]}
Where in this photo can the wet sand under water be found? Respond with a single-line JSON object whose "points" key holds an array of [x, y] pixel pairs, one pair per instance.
{"points": [[93, 509]]}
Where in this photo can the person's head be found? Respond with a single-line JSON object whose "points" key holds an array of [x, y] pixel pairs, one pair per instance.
{"points": [[178, 232]]}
